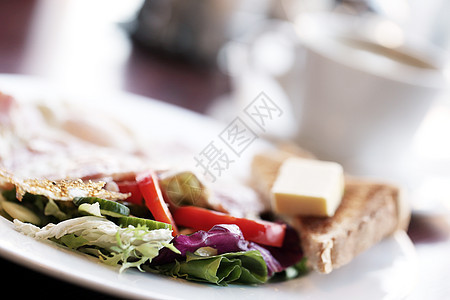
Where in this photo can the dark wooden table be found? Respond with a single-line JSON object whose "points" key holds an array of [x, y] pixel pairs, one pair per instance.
{"points": [[60, 40]]}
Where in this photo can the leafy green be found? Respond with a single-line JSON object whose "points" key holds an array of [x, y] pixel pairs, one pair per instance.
{"points": [[52, 209], [128, 247], [246, 267], [9, 195], [132, 253], [48, 210], [72, 241], [294, 271]]}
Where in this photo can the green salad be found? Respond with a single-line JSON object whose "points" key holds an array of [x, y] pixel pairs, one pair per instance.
{"points": [[146, 226]]}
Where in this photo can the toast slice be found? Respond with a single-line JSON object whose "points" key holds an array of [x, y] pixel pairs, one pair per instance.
{"points": [[369, 211]]}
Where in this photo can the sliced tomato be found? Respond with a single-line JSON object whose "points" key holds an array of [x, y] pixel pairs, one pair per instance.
{"points": [[262, 232], [131, 187], [150, 190]]}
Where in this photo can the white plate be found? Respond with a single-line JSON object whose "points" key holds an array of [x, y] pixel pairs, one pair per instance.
{"points": [[388, 270]]}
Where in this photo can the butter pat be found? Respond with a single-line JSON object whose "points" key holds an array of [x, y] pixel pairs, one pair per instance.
{"points": [[308, 188]]}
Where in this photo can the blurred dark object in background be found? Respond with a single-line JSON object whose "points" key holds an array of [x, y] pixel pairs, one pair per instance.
{"points": [[16, 19], [195, 30], [354, 6]]}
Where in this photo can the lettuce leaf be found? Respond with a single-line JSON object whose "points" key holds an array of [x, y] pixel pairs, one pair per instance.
{"points": [[245, 267], [228, 239], [72, 241], [52, 209], [220, 256], [128, 247], [225, 238], [291, 272]]}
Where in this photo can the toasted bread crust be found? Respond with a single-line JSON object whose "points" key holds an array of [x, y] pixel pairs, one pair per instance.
{"points": [[367, 214], [369, 211]]}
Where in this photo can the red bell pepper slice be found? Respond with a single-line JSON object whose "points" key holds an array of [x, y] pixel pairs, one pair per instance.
{"points": [[132, 187], [150, 190], [258, 231]]}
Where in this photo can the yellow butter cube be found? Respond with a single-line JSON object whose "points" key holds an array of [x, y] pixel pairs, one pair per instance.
{"points": [[306, 187]]}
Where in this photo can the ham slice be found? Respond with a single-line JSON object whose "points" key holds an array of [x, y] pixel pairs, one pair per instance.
{"points": [[43, 142]]}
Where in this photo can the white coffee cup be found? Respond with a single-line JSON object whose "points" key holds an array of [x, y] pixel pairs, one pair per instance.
{"points": [[363, 94]]}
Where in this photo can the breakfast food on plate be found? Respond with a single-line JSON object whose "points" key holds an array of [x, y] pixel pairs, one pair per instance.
{"points": [[110, 200], [368, 212]]}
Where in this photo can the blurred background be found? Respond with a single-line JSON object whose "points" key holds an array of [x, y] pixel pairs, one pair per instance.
{"points": [[214, 57], [171, 50]]}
